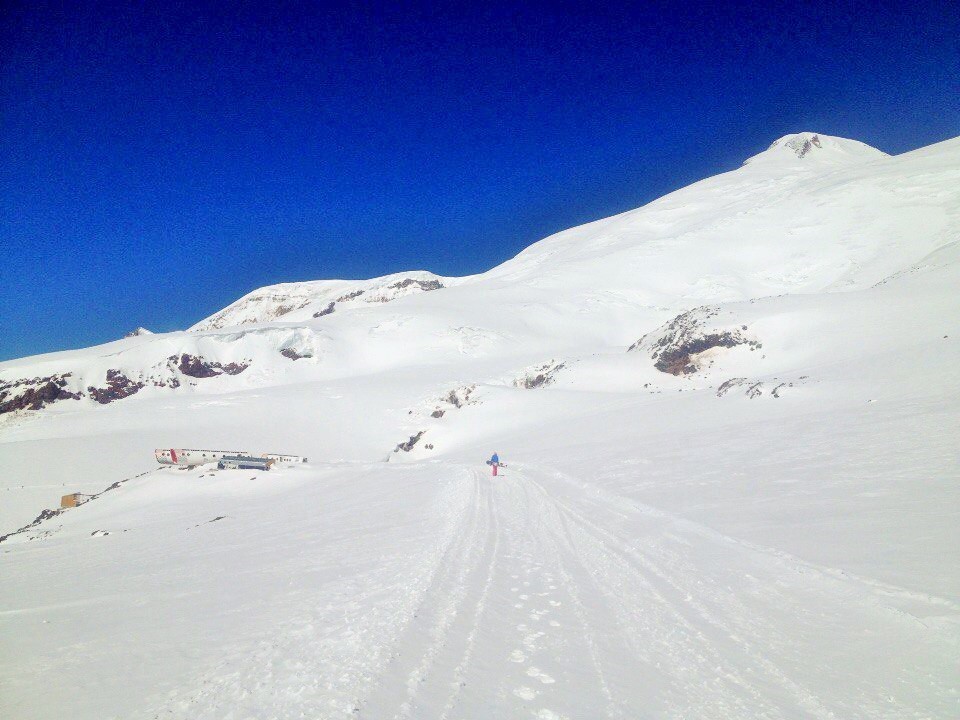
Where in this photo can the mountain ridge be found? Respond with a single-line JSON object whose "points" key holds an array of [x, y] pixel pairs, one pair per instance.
{"points": [[728, 487]]}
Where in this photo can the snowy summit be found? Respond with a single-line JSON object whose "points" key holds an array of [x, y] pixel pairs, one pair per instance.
{"points": [[138, 332], [819, 148], [696, 460]]}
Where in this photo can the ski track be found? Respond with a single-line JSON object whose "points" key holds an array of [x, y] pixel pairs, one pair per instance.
{"points": [[544, 597], [339, 645]]}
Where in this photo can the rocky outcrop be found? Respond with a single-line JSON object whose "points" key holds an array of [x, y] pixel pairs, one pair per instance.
{"points": [[675, 347], [425, 285], [325, 311], [803, 145], [34, 393], [197, 367], [757, 388], [118, 387], [540, 376], [43, 516], [408, 445], [38, 393], [293, 354], [461, 396], [456, 398], [678, 359], [139, 332], [322, 298]]}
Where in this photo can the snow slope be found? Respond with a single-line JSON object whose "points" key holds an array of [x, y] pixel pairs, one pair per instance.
{"points": [[766, 534]]}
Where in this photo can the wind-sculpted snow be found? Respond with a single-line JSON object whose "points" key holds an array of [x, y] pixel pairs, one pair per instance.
{"points": [[750, 514]]}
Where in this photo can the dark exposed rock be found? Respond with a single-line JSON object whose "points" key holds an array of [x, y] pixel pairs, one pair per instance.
{"points": [[326, 311], [194, 366], [293, 354], [458, 398], [461, 396], [37, 393], [34, 393], [408, 445], [350, 296], [676, 360], [45, 515], [728, 385], [284, 309], [118, 387], [540, 377], [801, 149], [425, 285], [754, 389], [198, 367], [684, 337]]}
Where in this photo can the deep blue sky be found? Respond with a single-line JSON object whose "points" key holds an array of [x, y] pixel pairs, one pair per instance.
{"points": [[157, 163]]}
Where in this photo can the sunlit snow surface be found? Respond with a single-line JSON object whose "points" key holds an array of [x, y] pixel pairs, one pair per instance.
{"points": [[657, 547]]}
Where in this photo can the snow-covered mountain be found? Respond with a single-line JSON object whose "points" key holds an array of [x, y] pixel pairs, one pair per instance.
{"points": [[729, 419], [316, 299]]}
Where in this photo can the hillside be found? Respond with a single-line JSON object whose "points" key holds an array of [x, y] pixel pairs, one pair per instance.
{"points": [[730, 423]]}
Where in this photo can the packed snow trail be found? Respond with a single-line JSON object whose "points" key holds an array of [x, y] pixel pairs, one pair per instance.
{"points": [[436, 591], [545, 597]]}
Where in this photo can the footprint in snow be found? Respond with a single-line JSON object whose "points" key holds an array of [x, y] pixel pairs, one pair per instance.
{"points": [[530, 641], [517, 656], [525, 693], [540, 675], [546, 714]]}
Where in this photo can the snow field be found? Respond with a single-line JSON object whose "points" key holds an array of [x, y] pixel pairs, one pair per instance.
{"points": [[770, 536]]}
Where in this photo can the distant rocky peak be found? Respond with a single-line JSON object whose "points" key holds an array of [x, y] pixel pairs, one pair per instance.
{"points": [[807, 146], [801, 144]]}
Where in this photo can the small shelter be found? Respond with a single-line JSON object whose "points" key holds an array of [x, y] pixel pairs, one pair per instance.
{"points": [[71, 500]]}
